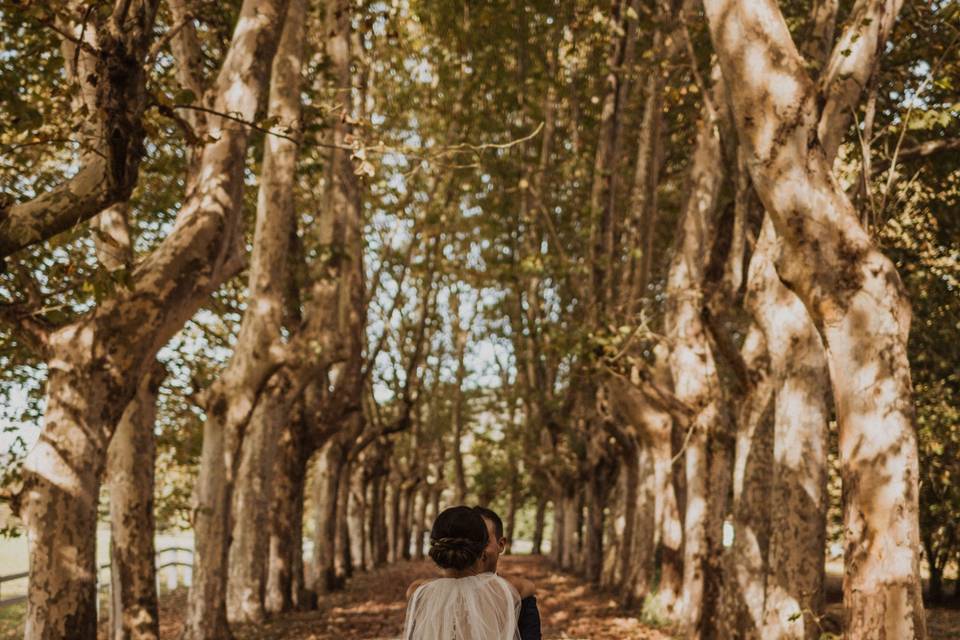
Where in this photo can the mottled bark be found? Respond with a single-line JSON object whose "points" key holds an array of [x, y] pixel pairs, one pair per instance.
{"points": [[113, 83], [101, 356], [798, 499], [130, 480], [250, 510], [233, 397], [697, 381], [853, 294], [746, 562], [250, 543]]}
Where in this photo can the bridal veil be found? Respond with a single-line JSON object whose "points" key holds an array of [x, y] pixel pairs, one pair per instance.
{"points": [[482, 607]]}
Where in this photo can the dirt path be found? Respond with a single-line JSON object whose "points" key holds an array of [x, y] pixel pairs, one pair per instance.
{"points": [[372, 607]]}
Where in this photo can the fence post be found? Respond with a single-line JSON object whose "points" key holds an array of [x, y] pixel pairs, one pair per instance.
{"points": [[188, 568]]}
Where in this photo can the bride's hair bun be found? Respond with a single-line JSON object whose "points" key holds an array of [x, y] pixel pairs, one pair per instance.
{"points": [[458, 538], [455, 553]]}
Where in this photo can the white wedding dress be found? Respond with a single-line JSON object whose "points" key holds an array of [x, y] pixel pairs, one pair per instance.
{"points": [[481, 607]]}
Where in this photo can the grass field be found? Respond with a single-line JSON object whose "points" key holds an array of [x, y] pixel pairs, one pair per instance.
{"points": [[13, 557]]}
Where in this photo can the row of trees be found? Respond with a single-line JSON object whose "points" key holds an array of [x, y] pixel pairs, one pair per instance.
{"points": [[615, 268]]}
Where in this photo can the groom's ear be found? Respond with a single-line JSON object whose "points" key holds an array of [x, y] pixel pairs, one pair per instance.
{"points": [[502, 543]]}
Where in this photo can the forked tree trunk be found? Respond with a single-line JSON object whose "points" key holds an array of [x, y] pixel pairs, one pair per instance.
{"points": [[130, 478], [110, 348], [853, 294], [250, 552], [110, 75], [234, 396]]}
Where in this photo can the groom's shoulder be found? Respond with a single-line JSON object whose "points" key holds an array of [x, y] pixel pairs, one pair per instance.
{"points": [[524, 587]]}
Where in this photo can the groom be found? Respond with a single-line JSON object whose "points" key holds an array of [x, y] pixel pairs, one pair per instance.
{"points": [[528, 622]]}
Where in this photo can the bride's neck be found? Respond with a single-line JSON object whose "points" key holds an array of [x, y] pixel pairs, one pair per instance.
{"points": [[461, 573]]}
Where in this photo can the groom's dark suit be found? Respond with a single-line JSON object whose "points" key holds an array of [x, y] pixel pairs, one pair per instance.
{"points": [[529, 620]]}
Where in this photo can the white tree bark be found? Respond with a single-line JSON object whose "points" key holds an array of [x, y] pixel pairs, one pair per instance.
{"points": [[799, 473], [234, 396], [116, 99], [276, 224], [130, 478], [97, 361], [855, 298], [696, 378]]}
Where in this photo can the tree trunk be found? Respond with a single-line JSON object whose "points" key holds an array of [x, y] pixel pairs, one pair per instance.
{"points": [[638, 583], [331, 462], [631, 501], [514, 498], [420, 522], [109, 349], [798, 499], [856, 300], [130, 477], [649, 468], [696, 378], [393, 519], [569, 529], [406, 532], [285, 564], [539, 520], [282, 578], [461, 335], [746, 562], [250, 538], [558, 537], [235, 395], [380, 521], [344, 560], [355, 520]]}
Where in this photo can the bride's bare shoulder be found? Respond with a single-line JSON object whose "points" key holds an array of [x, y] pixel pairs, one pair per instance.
{"points": [[416, 584], [524, 587]]}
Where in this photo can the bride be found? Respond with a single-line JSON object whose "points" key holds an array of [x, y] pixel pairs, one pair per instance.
{"points": [[466, 603]]}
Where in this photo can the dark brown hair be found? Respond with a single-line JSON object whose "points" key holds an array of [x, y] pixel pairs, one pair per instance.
{"points": [[458, 538]]}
